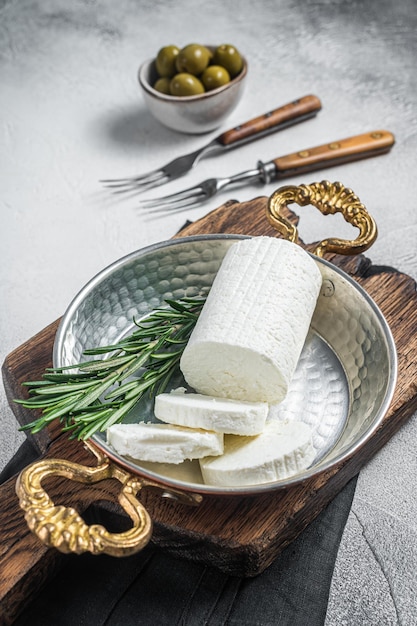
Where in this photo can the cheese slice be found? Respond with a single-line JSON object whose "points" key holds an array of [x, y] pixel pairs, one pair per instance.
{"points": [[219, 414], [252, 328], [281, 451], [163, 443]]}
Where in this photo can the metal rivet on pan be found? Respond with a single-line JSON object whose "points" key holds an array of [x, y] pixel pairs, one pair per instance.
{"points": [[327, 288]]}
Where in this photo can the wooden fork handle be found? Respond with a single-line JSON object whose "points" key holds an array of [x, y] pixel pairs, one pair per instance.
{"points": [[334, 153], [270, 122]]}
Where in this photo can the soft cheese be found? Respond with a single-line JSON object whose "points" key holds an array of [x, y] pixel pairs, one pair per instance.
{"points": [[281, 451], [163, 443], [250, 333], [219, 414]]}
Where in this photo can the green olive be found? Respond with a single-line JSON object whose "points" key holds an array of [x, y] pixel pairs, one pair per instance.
{"points": [[229, 57], [165, 61], [193, 59], [163, 85], [184, 84], [215, 76]]}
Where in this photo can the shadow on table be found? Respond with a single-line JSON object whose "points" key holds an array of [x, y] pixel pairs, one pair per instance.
{"points": [[130, 128]]}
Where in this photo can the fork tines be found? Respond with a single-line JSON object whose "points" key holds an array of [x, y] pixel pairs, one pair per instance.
{"points": [[185, 199], [138, 183]]}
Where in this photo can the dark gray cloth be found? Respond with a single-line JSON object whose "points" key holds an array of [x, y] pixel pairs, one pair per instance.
{"points": [[153, 588]]}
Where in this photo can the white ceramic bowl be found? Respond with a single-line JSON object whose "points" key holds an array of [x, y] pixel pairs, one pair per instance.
{"points": [[192, 114]]}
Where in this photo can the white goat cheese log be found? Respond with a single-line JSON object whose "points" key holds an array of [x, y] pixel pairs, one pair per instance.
{"points": [[252, 328], [281, 451], [163, 443], [222, 415]]}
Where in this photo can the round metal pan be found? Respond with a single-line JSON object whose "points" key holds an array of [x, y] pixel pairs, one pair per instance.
{"points": [[343, 384]]}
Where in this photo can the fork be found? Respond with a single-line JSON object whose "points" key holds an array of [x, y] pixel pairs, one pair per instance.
{"points": [[327, 155], [278, 119]]}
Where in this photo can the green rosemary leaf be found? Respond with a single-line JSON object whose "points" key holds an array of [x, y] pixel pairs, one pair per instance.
{"points": [[134, 392], [61, 378], [39, 383], [35, 426], [87, 430], [50, 414], [162, 384], [91, 395], [63, 388], [86, 417], [164, 356], [177, 339], [176, 305], [134, 347], [135, 365], [96, 392], [122, 390], [100, 365], [37, 402], [64, 368], [186, 305], [119, 413], [143, 384]]}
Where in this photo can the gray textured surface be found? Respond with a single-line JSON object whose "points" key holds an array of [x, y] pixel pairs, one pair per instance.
{"points": [[71, 113]]}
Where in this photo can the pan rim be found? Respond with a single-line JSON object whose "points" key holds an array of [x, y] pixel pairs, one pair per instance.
{"points": [[299, 479]]}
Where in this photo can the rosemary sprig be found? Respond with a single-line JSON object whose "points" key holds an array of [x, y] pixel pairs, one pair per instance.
{"points": [[99, 393]]}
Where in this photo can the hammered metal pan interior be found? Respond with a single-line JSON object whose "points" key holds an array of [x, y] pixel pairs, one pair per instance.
{"points": [[343, 383]]}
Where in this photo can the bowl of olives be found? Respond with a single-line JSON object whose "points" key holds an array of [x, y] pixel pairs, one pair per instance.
{"points": [[193, 89]]}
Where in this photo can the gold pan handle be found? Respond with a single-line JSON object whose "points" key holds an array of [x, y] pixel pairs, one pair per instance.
{"points": [[63, 528], [329, 198]]}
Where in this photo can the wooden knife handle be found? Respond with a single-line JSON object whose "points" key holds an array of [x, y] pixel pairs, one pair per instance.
{"points": [[342, 151], [270, 122]]}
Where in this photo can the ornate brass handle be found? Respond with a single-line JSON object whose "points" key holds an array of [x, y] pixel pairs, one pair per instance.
{"points": [[63, 528], [329, 198]]}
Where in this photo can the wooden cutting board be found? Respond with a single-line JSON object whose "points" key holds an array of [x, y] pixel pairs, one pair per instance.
{"points": [[239, 535]]}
